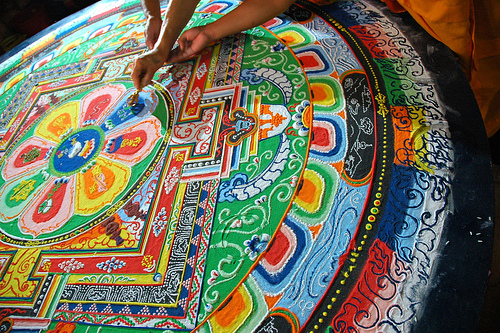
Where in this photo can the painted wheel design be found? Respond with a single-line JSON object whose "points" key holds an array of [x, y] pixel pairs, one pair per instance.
{"points": [[76, 162]]}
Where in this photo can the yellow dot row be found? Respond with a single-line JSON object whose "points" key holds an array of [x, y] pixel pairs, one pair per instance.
{"points": [[374, 211]]}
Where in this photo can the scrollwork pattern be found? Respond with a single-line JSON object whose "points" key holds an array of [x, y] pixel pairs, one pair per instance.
{"points": [[269, 54], [334, 45], [322, 261], [433, 149], [385, 41], [415, 198], [375, 292]]}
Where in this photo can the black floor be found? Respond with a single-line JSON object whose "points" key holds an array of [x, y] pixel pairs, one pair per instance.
{"points": [[490, 318], [21, 19]]}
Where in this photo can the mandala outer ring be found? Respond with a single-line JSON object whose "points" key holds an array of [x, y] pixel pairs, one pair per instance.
{"points": [[357, 254]]}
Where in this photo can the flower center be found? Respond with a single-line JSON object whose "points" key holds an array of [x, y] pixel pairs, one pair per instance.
{"points": [[76, 151]]}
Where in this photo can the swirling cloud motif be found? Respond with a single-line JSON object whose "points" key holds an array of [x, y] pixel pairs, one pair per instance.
{"points": [[277, 78], [240, 188]]}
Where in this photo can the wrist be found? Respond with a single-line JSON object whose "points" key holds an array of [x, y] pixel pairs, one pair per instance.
{"points": [[211, 32], [151, 18], [161, 52], [166, 40], [151, 8]]}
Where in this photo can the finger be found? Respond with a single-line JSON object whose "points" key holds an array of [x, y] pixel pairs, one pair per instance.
{"points": [[176, 54], [186, 39], [138, 74], [149, 42], [146, 79], [151, 39], [184, 50], [173, 55]]}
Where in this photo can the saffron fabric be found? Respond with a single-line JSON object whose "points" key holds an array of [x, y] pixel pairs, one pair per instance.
{"points": [[471, 29]]}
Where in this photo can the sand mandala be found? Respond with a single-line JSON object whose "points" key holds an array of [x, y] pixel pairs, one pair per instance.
{"points": [[292, 177]]}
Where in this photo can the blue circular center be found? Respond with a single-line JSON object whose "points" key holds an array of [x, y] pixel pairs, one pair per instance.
{"points": [[77, 150]]}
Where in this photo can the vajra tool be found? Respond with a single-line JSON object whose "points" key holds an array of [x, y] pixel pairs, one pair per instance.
{"points": [[133, 99]]}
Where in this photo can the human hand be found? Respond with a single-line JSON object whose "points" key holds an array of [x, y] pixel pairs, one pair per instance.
{"points": [[190, 42], [145, 67], [152, 31]]}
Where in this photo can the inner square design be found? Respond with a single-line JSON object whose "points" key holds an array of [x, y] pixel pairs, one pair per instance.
{"points": [[228, 174]]}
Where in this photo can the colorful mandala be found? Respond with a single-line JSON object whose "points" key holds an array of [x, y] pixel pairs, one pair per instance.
{"points": [[298, 176]]}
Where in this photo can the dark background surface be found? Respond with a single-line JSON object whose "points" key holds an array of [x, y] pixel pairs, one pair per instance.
{"points": [[22, 19]]}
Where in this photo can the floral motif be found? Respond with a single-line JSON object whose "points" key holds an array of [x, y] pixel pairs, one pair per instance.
{"points": [[278, 47], [160, 222], [46, 265], [148, 263], [202, 70], [256, 245], [261, 200], [70, 265], [195, 95], [213, 276], [57, 84], [111, 264], [237, 224], [300, 123], [172, 179]]}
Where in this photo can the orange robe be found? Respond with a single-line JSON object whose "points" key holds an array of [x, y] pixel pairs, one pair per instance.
{"points": [[471, 29]]}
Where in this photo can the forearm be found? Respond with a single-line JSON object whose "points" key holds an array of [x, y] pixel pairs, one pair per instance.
{"points": [[151, 8], [249, 14], [178, 15]]}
